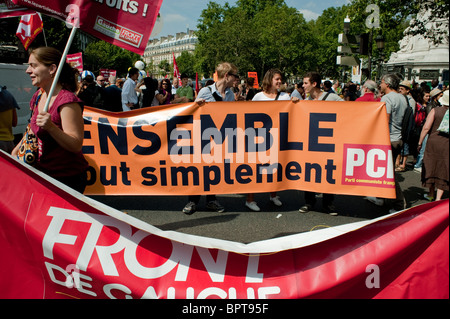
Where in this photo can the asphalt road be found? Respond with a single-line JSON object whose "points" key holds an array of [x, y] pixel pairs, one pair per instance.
{"points": [[239, 224]]}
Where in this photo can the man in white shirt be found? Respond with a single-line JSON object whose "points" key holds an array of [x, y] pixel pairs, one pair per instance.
{"points": [[219, 91], [175, 85], [311, 84], [129, 95]]}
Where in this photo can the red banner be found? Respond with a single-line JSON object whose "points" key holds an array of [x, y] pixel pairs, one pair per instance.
{"points": [[106, 73], [127, 24], [76, 60], [8, 9], [56, 243]]}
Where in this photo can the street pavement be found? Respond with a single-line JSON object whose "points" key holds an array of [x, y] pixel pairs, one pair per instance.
{"points": [[240, 224]]}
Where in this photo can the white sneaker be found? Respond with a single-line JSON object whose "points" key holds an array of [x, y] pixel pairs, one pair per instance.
{"points": [[418, 169], [253, 206], [276, 201], [374, 200]]}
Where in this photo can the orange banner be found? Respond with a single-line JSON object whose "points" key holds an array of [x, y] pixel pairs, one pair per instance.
{"points": [[240, 147], [255, 76]]}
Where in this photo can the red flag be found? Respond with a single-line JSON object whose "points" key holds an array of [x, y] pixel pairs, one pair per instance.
{"points": [[197, 86], [127, 24], [176, 71], [29, 27]]}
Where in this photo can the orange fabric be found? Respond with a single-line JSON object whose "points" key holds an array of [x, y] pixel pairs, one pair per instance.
{"points": [[321, 146]]}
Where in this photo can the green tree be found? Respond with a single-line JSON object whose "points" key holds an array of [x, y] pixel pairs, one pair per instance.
{"points": [[165, 68], [101, 54], [255, 35], [208, 30], [149, 67], [283, 40], [325, 31], [395, 16], [237, 45], [186, 63]]}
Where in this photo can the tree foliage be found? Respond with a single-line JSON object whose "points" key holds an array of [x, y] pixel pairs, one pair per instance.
{"points": [[186, 62], [325, 34], [255, 35], [395, 16], [103, 55], [260, 34]]}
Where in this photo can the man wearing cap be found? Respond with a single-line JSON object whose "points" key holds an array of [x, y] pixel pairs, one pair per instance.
{"points": [[405, 88]]}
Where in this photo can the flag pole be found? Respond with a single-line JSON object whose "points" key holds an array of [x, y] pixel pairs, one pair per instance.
{"points": [[43, 30], [45, 38], [61, 64]]}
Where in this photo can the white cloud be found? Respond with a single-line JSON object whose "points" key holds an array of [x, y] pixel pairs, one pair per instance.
{"points": [[174, 18], [309, 15]]}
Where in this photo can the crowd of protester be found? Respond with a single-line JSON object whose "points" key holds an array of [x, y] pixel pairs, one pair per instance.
{"points": [[422, 98], [427, 148]]}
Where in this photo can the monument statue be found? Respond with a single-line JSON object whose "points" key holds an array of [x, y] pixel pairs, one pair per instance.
{"points": [[418, 52]]}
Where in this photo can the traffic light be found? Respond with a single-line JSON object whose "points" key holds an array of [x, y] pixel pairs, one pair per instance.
{"points": [[347, 49], [347, 60], [364, 44]]}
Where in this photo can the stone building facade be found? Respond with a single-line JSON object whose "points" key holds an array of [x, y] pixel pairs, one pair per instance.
{"points": [[163, 48]]}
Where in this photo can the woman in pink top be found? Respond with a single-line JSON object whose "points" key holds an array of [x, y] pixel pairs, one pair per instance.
{"points": [[60, 130], [164, 95]]}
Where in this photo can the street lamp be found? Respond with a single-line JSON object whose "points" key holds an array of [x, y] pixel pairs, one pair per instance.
{"points": [[380, 42], [346, 25], [346, 31], [380, 46]]}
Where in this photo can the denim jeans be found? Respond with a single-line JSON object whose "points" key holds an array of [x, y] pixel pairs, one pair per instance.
{"points": [[422, 151]]}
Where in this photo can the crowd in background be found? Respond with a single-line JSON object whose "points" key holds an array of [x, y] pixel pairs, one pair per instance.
{"points": [[422, 98], [104, 93], [428, 101]]}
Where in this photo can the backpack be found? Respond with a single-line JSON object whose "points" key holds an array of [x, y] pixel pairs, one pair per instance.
{"points": [[420, 116], [408, 124], [92, 96], [98, 98]]}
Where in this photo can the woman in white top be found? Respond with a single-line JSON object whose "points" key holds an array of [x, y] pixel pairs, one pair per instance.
{"points": [[271, 86]]}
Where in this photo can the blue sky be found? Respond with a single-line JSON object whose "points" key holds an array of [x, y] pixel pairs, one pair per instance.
{"points": [[177, 15]]}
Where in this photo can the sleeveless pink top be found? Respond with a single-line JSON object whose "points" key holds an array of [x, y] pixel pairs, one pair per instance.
{"points": [[53, 159]]}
